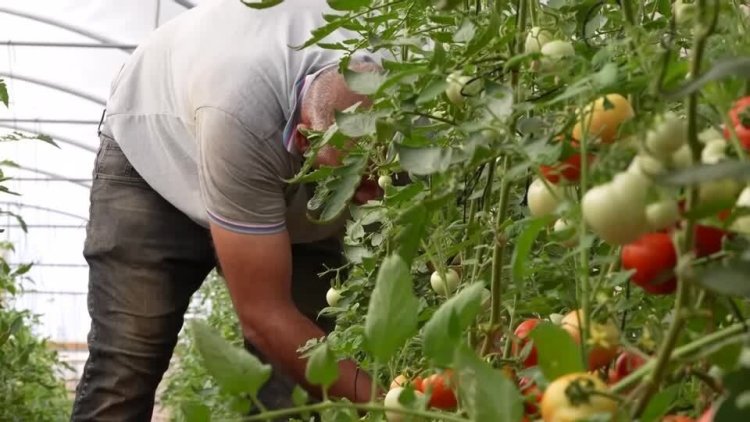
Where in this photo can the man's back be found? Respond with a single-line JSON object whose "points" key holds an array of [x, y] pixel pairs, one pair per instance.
{"points": [[221, 56]]}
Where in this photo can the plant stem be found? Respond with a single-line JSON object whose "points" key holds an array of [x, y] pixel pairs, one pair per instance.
{"points": [[681, 352], [498, 258], [651, 384], [628, 12], [319, 407]]}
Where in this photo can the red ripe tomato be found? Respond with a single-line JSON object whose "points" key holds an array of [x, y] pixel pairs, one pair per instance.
{"points": [[653, 257], [532, 395], [708, 415], [440, 388], [625, 364], [708, 239], [740, 117], [522, 333], [677, 418], [569, 169]]}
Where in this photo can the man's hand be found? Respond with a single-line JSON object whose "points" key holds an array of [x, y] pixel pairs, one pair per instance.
{"points": [[258, 271]]}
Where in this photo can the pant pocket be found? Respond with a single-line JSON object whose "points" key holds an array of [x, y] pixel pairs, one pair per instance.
{"points": [[111, 163]]}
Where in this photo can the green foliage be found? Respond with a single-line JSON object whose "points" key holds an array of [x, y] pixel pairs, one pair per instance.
{"points": [[188, 384], [31, 384], [462, 119]]}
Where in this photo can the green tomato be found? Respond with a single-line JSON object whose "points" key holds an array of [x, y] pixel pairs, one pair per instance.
{"points": [[567, 231], [714, 151], [646, 165], [392, 401], [542, 200], [742, 224], [615, 211], [444, 286], [722, 190], [557, 49], [385, 181], [460, 87], [536, 39], [667, 136], [333, 296], [683, 13], [682, 158], [663, 214]]}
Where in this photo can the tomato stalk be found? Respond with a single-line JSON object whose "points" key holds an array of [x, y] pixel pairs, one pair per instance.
{"points": [[681, 352], [498, 250], [651, 384]]}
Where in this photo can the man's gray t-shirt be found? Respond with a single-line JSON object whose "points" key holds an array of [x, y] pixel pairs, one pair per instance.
{"points": [[205, 107]]}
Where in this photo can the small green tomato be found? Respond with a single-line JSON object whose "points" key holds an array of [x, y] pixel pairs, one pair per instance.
{"points": [[662, 214], [536, 39], [385, 181], [333, 296], [444, 286]]}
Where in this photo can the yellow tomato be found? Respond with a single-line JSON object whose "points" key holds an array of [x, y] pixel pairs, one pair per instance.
{"points": [[603, 121], [604, 339], [570, 399]]}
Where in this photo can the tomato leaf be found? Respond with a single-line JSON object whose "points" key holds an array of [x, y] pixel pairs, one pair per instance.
{"points": [[412, 224], [195, 412], [3, 93], [726, 278], [356, 124], [442, 333], [348, 4], [737, 170], [486, 393], [263, 4], [333, 195], [523, 245], [233, 368], [423, 160], [392, 313], [720, 69], [558, 353], [365, 83], [736, 406], [660, 404], [322, 367]]}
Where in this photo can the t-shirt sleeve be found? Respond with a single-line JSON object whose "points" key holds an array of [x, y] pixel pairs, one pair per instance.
{"points": [[240, 175]]}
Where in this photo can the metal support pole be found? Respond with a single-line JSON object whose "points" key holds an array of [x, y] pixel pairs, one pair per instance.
{"points": [[11, 43], [53, 121], [59, 24], [45, 209], [52, 85], [185, 3], [51, 174]]}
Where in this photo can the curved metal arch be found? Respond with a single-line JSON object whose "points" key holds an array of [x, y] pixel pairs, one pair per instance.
{"points": [[185, 3], [45, 209], [59, 24], [54, 86], [57, 138], [51, 174]]}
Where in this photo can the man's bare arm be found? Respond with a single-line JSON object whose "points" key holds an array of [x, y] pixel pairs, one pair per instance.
{"points": [[258, 271]]}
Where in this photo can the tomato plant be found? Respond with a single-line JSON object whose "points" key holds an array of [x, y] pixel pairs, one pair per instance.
{"points": [[491, 222]]}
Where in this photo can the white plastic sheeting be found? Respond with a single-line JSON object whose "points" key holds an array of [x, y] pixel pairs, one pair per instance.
{"points": [[54, 182]]}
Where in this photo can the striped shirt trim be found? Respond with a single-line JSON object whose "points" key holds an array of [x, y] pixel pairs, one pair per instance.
{"points": [[245, 228]]}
